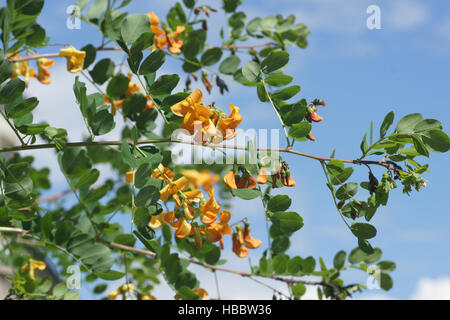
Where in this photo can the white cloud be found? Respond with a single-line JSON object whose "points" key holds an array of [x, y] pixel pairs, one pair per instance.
{"points": [[432, 289], [404, 15]]}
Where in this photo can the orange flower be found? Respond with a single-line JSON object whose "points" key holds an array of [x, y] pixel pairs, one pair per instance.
{"points": [[194, 113], [238, 248], [248, 240], [22, 69], [228, 125], [166, 39], [43, 65], [173, 188], [263, 176], [183, 228], [239, 182], [311, 137], [209, 210], [129, 176], [163, 173], [160, 219], [216, 230]]}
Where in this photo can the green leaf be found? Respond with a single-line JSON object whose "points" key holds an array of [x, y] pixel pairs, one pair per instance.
{"points": [[97, 8], [347, 191], [386, 266], [339, 259], [91, 54], [426, 125], [278, 80], [231, 5], [127, 157], [145, 171], [12, 90], [211, 56], [300, 130], [147, 196], [286, 93], [420, 146], [134, 104], [252, 71], [230, 65], [153, 62], [189, 3], [133, 26], [33, 129], [118, 86], [386, 282], [103, 70], [275, 61], [185, 293], [23, 108], [164, 84], [247, 194], [363, 230], [279, 203], [408, 123], [6, 70], [364, 146], [111, 275], [437, 140], [87, 179], [102, 123], [63, 232], [365, 246], [298, 290], [342, 177], [287, 221], [125, 239], [280, 263]]}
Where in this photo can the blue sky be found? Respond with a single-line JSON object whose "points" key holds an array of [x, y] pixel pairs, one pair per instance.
{"points": [[362, 75]]}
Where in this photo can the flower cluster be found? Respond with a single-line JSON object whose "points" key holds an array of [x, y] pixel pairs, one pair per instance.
{"points": [[166, 39], [207, 123], [24, 69], [190, 204], [241, 178]]}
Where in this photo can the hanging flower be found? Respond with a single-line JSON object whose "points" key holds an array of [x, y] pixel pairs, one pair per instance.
{"points": [[43, 65], [209, 210], [129, 176], [246, 181], [32, 265], [75, 59], [216, 230], [238, 248], [263, 176], [248, 240]]}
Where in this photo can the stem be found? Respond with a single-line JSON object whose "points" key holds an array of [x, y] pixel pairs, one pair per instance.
{"points": [[13, 128], [158, 107], [333, 195], [156, 141], [277, 113]]}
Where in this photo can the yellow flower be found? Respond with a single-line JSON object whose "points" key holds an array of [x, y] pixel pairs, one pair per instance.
{"points": [[160, 219], [75, 59], [43, 65], [147, 296], [228, 125], [173, 188], [129, 176], [183, 228], [216, 230], [163, 173], [32, 265], [209, 210], [122, 290]]}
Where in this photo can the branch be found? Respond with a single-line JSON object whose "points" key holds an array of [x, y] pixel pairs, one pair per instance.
{"points": [[153, 255], [384, 164], [56, 55]]}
